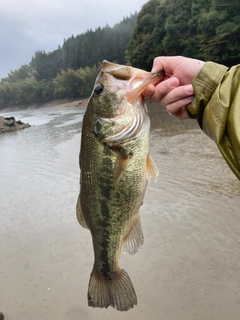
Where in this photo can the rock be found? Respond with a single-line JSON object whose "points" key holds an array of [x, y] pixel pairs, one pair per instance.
{"points": [[10, 124], [9, 118]]}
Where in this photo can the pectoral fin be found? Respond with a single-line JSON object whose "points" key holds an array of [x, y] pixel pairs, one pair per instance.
{"points": [[80, 215], [152, 170], [120, 166]]}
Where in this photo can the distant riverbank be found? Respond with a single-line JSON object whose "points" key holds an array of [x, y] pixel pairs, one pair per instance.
{"points": [[64, 103], [9, 124], [78, 103]]}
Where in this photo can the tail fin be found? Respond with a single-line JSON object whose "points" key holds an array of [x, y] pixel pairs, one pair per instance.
{"points": [[117, 291]]}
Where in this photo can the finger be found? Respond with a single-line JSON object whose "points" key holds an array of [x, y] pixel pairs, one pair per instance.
{"points": [[178, 93], [168, 64], [149, 91], [178, 108], [157, 64], [164, 88], [181, 114]]}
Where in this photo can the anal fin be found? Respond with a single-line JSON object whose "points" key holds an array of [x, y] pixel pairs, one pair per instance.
{"points": [[134, 239]]}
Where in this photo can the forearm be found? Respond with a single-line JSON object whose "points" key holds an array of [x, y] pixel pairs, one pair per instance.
{"points": [[217, 107]]}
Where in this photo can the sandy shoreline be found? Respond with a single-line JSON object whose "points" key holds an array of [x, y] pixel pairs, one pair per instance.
{"points": [[64, 103], [77, 103]]}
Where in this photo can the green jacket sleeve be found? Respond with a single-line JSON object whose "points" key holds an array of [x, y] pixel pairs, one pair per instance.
{"points": [[216, 106]]}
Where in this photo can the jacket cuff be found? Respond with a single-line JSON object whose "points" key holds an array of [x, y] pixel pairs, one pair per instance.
{"points": [[204, 85]]}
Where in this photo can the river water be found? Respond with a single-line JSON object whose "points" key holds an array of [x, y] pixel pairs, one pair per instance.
{"points": [[189, 267]]}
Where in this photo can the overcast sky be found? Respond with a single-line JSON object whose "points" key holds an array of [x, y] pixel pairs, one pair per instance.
{"points": [[30, 25]]}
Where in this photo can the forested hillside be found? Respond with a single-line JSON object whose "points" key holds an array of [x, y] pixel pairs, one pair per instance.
{"points": [[204, 29], [69, 71]]}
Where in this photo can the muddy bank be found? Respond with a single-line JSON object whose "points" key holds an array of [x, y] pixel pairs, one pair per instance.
{"points": [[63, 103], [70, 104], [11, 124]]}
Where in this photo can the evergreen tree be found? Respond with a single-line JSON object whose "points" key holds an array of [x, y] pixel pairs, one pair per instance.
{"points": [[204, 29], [141, 49]]}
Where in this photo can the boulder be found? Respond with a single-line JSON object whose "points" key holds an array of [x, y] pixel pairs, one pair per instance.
{"points": [[11, 124]]}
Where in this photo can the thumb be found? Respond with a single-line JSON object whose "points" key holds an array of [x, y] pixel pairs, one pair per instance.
{"points": [[158, 64], [167, 64]]}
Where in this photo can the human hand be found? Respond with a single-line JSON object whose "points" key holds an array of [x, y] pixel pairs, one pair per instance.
{"points": [[175, 92]]}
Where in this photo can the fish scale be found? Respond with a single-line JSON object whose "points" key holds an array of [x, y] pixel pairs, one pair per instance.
{"points": [[115, 167]]}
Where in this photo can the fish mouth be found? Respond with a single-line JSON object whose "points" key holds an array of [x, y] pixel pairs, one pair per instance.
{"points": [[133, 121], [137, 79], [137, 91]]}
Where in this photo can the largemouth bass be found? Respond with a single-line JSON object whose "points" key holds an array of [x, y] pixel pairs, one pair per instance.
{"points": [[115, 167]]}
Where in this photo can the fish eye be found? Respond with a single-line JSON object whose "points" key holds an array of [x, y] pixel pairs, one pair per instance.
{"points": [[98, 89]]}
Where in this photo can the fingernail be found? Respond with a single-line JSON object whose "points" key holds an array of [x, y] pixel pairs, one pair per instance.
{"points": [[189, 89]]}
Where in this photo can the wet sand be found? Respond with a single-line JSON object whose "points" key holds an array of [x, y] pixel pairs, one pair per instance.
{"points": [[189, 266], [71, 104]]}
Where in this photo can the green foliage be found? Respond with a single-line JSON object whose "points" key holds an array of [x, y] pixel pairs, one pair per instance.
{"points": [[141, 46], [17, 92], [86, 49], [203, 29], [67, 84], [88, 77], [74, 84], [219, 32], [20, 74]]}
